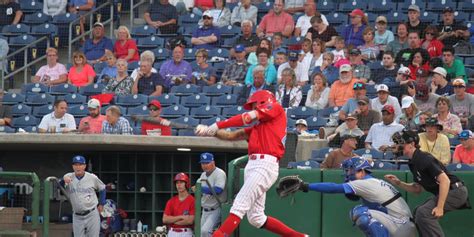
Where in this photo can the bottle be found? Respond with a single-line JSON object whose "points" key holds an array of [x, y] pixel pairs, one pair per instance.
{"points": [[139, 226]]}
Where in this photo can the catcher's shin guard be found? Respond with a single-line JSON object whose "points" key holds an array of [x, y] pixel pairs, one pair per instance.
{"points": [[361, 217]]}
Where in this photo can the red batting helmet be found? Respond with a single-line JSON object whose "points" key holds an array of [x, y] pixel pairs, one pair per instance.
{"points": [[182, 177], [261, 97]]}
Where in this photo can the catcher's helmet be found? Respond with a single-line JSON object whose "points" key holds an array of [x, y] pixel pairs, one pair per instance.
{"points": [[405, 137], [262, 97], [182, 177], [353, 165]]}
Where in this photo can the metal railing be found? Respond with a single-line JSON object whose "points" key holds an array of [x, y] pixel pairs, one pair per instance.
{"points": [[26, 64], [132, 9], [90, 14]]}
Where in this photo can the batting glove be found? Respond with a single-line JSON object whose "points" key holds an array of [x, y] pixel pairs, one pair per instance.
{"points": [[212, 130], [201, 130], [165, 122]]}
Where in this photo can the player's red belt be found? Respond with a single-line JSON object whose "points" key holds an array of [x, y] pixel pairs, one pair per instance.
{"points": [[259, 156], [179, 230], [84, 212]]}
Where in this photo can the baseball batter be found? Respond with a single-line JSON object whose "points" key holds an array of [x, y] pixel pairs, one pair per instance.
{"points": [[266, 139], [81, 187], [179, 210]]}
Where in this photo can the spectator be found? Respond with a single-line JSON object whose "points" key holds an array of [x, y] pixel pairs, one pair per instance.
{"points": [[276, 20], [183, 7], [303, 24], [317, 97], [54, 7], [410, 117], [11, 12], [270, 71], [464, 152], [235, 70], [146, 55], [435, 143], [401, 42], [431, 42], [404, 56], [323, 31], [316, 56], [280, 58], [277, 42], [462, 103], [342, 89], [114, 123], [125, 47], [327, 68], [423, 76], [52, 73], [353, 32], [382, 36], [424, 116], [163, 16], [450, 30], [162, 129], [388, 70], [349, 127], [339, 49], [206, 36], [369, 50], [96, 48], [203, 73], [454, 67], [301, 127], [299, 68], [201, 6], [305, 54], [81, 73], [179, 211], [439, 83], [249, 40], [92, 124], [414, 23], [451, 123], [176, 71], [425, 99], [407, 89], [110, 70], [258, 84], [121, 84], [220, 14], [58, 121], [289, 94], [384, 98], [419, 60], [264, 44], [147, 82], [361, 71], [399, 84], [81, 7], [244, 11], [5, 112], [337, 156], [365, 115], [351, 105], [380, 134]]}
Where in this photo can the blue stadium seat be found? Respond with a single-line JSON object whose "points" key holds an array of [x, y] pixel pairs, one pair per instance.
{"points": [[466, 6], [161, 54], [123, 110], [185, 90], [439, 6], [62, 22], [46, 29], [188, 31], [336, 18], [290, 123], [75, 99], [36, 19], [326, 112], [142, 31], [321, 154], [150, 42], [165, 99], [300, 164], [301, 112], [186, 132], [39, 99], [78, 111], [375, 65], [20, 110], [189, 54], [429, 17], [6, 129], [210, 121], [12, 98], [264, 7], [174, 111], [188, 19], [43, 110], [459, 167], [194, 101], [216, 90], [31, 6], [34, 88], [21, 40], [92, 89], [17, 29], [237, 89], [131, 100], [315, 122], [186, 120], [384, 165], [138, 110], [24, 121], [325, 6], [132, 66], [228, 43], [232, 110], [305, 89], [225, 100], [370, 153], [294, 40], [393, 18], [453, 142], [65, 18], [31, 129], [346, 7], [381, 6], [205, 111], [218, 52], [403, 5], [229, 31], [63, 89]]}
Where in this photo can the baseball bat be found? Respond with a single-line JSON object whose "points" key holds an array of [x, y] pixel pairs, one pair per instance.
{"points": [[161, 121]]}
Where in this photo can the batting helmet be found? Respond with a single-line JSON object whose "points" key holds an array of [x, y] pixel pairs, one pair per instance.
{"points": [[262, 97], [353, 165], [182, 177]]}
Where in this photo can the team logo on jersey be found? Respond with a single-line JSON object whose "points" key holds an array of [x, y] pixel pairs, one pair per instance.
{"points": [[186, 212]]}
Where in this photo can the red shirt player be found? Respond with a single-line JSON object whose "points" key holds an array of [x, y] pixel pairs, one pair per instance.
{"points": [[179, 210], [266, 147], [155, 110]]}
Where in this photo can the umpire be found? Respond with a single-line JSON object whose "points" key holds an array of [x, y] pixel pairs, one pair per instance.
{"points": [[429, 174]]}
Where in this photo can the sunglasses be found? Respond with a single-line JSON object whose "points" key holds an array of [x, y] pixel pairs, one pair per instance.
{"points": [[154, 109], [206, 17], [458, 86], [358, 86]]}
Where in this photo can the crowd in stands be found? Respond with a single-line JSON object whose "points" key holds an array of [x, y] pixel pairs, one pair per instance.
{"points": [[375, 81]]}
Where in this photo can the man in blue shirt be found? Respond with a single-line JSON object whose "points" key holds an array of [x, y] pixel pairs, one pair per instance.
{"points": [[206, 36], [95, 48]]}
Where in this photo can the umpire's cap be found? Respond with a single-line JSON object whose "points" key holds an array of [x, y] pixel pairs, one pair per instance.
{"points": [[78, 160]]}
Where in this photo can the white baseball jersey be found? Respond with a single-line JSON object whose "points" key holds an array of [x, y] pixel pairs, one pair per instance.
{"points": [[82, 192]]}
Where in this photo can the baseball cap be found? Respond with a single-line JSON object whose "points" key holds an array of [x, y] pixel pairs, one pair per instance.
{"points": [[345, 68], [93, 104], [78, 160], [357, 12], [466, 134], [155, 103], [206, 158], [364, 100], [389, 109], [239, 48], [404, 70], [414, 7], [381, 19], [433, 122], [351, 116], [301, 121], [407, 101], [441, 71], [382, 87], [98, 24], [459, 82], [355, 52], [207, 13], [448, 9], [293, 55], [422, 91]]}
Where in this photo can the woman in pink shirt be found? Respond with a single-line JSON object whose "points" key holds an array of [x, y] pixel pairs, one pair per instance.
{"points": [[125, 47], [81, 73]]}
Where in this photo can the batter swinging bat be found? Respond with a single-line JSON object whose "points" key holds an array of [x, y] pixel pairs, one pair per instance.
{"points": [[161, 121]]}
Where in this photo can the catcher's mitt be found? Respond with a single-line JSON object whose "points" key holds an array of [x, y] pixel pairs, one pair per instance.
{"points": [[290, 184]]}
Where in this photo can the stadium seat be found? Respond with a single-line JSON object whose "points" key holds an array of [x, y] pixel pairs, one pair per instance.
{"points": [[264, 7], [123, 110], [174, 111], [384, 165], [6, 129], [92, 89], [65, 18], [218, 52], [229, 31], [305, 89], [39, 99], [78, 111], [216, 90], [194, 101], [63, 89], [315, 122], [75, 99], [150, 42], [429, 17], [186, 132], [237, 89], [212, 120], [131, 100], [439, 6], [142, 31], [311, 164], [205, 111], [459, 167], [232, 110], [12, 98], [403, 5], [188, 20], [225, 100], [36, 19], [185, 90], [301, 112], [24, 121], [375, 65], [31, 6], [466, 6], [370, 153], [336, 18], [30, 129], [228, 43], [21, 40], [293, 40], [346, 7], [165, 99], [17, 29], [290, 123], [320, 154], [381, 6], [186, 120], [393, 18], [161, 54], [326, 6], [189, 54], [40, 111], [132, 66], [326, 112], [20, 110], [137, 110], [34, 88], [453, 142]]}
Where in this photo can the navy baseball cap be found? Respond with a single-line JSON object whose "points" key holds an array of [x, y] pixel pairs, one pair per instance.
{"points": [[79, 160], [206, 158], [293, 55], [239, 48], [465, 134]]}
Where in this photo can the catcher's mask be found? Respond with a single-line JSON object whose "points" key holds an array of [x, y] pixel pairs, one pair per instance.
{"points": [[353, 165], [404, 137]]}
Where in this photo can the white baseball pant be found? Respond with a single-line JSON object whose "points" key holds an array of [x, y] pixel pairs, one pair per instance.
{"points": [[180, 232]]}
